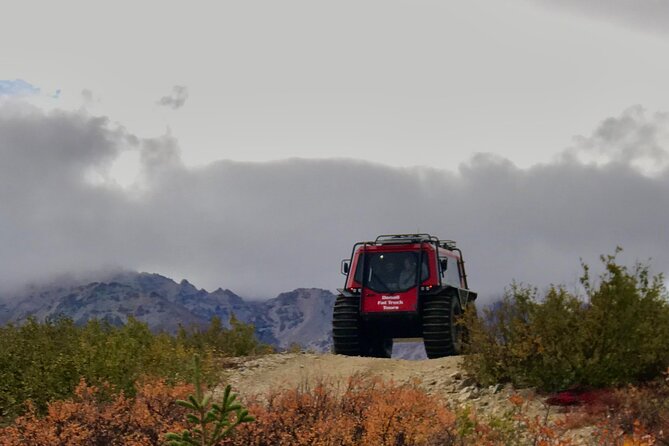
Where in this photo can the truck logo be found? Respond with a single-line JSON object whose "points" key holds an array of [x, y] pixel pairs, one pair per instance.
{"points": [[390, 302]]}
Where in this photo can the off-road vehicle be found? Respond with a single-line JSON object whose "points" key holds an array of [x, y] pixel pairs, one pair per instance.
{"points": [[399, 287]]}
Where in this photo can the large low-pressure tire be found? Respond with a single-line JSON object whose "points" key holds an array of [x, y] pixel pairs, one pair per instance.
{"points": [[346, 327], [351, 337], [442, 335]]}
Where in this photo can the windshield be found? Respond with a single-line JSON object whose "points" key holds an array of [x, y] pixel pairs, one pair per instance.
{"points": [[390, 272]]}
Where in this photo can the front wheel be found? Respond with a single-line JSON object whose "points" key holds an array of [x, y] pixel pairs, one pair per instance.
{"points": [[346, 326], [351, 337], [442, 333]]}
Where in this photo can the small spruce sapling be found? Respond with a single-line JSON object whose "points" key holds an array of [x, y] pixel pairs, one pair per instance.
{"points": [[211, 422]]}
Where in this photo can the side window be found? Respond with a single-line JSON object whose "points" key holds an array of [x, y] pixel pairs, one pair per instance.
{"points": [[358, 270], [425, 270], [452, 273]]}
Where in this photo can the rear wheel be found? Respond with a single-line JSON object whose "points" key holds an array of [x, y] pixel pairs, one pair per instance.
{"points": [[346, 327], [442, 335]]}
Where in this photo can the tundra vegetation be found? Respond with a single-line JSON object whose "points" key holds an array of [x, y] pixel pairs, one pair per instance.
{"points": [[43, 362], [96, 384], [616, 334]]}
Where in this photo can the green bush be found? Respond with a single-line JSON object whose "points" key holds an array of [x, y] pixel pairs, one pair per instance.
{"points": [[617, 333], [36, 361], [238, 340], [44, 361]]}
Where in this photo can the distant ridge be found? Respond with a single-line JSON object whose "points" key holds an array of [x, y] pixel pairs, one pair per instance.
{"points": [[300, 316]]}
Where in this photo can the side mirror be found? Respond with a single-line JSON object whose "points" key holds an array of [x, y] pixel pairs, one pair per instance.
{"points": [[345, 267], [444, 264]]}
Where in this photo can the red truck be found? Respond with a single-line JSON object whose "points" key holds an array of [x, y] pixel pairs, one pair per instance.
{"points": [[401, 286]]}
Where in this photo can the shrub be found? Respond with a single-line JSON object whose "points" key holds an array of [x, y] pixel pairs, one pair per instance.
{"points": [[88, 418], [627, 325], [45, 361], [637, 411], [373, 412], [238, 340], [368, 412], [209, 422], [524, 341], [618, 334], [37, 361]]}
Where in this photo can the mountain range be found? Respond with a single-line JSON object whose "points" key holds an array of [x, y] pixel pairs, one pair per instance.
{"points": [[302, 316]]}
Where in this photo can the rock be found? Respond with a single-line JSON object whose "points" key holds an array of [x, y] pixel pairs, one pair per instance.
{"points": [[456, 376], [469, 381], [464, 396]]}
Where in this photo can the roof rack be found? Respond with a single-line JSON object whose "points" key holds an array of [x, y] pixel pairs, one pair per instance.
{"points": [[404, 238], [396, 239], [448, 244]]}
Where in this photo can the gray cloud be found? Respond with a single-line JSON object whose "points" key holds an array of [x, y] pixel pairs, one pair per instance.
{"points": [[647, 15], [635, 137], [261, 228], [175, 100]]}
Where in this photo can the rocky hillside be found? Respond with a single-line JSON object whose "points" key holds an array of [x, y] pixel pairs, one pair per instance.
{"points": [[299, 317]]}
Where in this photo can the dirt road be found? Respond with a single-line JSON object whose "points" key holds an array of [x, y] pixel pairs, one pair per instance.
{"points": [[258, 375]]}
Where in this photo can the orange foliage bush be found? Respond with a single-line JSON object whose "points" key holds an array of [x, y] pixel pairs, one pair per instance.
{"points": [[87, 419], [637, 415], [370, 412], [367, 412]]}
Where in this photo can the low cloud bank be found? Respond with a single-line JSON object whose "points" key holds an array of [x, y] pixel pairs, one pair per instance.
{"points": [[649, 15], [262, 228]]}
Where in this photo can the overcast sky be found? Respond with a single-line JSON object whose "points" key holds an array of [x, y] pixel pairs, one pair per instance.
{"points": [[247, 145]]}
